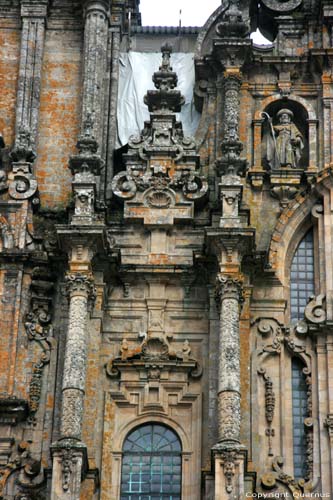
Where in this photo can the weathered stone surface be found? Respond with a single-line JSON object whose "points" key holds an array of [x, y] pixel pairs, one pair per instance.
{"points": [[135, 334]]}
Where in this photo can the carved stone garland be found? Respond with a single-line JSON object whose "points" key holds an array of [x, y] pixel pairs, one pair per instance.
{"points": [[39, 329], [269, 408]]}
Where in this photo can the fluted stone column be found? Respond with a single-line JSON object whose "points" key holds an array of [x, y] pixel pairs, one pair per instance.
{"points": [[229, 297], [69, 453]]}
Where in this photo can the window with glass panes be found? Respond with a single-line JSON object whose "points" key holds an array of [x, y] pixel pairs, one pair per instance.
{"points": [[151, 464], [299, 410], [302, 277]]}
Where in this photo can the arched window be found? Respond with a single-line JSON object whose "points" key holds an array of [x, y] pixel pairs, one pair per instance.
{"points": [[299, 412], [151, 466], [302, 277]]}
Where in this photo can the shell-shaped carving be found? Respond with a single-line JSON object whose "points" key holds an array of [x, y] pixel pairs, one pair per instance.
{"points": [[159, 199], [155, 348]]}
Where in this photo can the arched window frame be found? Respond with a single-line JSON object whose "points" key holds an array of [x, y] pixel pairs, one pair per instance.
{"points": [[300, 233], [180, 452]]}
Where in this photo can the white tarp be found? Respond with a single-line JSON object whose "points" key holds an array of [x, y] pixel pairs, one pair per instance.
{"points": [[135, 78]]}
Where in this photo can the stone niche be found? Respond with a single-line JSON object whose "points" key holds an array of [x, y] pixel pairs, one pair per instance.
{"points": [[153, 384], [286, 162]]}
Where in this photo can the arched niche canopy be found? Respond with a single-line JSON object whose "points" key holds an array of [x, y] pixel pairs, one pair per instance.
{"points": [[305, 120]]}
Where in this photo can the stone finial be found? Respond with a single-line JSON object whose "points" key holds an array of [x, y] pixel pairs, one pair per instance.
{"points": [[165, 98]]}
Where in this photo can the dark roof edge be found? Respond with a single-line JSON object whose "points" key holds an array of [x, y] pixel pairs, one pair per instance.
{"points": [[166, 30]]}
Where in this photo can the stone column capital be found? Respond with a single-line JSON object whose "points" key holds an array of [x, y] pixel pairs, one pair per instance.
{"points": [[34, 8], [228, 287], [94, 6], [233, 77], [78, 284]]}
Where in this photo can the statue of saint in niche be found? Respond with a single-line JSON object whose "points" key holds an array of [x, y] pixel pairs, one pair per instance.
{"points": [[284, 147]]}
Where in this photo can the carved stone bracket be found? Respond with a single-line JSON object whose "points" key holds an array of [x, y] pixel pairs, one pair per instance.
{"points": [[21, 181], [315, 316], [285, 184]]}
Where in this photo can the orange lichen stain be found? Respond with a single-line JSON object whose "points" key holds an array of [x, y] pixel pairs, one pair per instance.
{"points": [[59, 116], [158, 258], [9, 68]]}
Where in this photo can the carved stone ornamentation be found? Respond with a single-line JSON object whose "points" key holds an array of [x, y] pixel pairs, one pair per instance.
{"points": [[228, 287], [153, 351], [162, 180], [67, 460], [39, 329], [85, 167], [271, 480], [231, 164], [315, 311], [78, 284], [21, 460], [229, 416], [315, 316], [269, 408], [229, 458]]}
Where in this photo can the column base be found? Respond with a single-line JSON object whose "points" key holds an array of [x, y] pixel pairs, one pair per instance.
{"points": [[70, 466], [230, 458]]}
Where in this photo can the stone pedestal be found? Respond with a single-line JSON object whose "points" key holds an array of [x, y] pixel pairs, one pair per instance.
{"points": [[229, 472], [69, 466]]}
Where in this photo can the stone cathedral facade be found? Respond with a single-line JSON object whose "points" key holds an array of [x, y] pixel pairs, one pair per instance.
{"points": [[166, 308]]}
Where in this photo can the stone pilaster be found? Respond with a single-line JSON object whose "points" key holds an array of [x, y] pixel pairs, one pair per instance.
{"points": [[22, 184], [69, 453], [33, 16], [96, 14]]}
